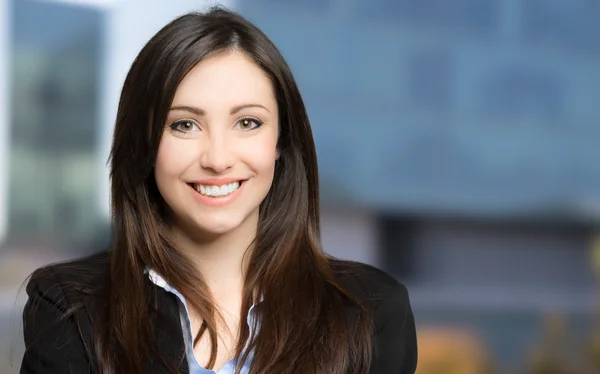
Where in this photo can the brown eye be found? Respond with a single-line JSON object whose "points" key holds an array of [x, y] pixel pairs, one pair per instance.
{"points": [[185, 126], [249, 123]]}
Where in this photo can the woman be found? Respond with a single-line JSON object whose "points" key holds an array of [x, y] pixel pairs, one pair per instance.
{"points": [[216, 264]]}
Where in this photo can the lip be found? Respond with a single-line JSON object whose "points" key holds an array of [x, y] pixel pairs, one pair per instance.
{"points": [[217, 181], [221, 200]]}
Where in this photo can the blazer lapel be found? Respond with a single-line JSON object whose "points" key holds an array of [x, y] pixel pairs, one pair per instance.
{"points": [[168, 333]]}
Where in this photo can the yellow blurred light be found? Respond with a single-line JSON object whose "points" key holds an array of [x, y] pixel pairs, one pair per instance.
{"points": [[595, 255]]}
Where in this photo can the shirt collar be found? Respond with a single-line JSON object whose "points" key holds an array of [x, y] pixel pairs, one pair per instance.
{"points": [[158, 280]]}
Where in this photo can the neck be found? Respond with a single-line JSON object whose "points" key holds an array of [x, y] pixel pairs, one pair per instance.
{"points": [[220, 259]]}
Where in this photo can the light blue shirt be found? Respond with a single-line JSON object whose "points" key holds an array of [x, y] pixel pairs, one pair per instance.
{"points": [[186, 327]]}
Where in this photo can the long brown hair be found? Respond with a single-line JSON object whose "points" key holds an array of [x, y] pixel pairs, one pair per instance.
{"points": [[305, 325]]}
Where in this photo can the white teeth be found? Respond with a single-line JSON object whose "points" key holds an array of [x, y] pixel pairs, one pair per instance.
{"points": [[217, 191]]}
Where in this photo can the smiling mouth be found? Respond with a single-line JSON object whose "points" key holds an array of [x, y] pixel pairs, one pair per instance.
{"points": [[216, 191]]}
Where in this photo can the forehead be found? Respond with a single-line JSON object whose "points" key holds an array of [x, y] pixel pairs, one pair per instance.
{"points": [[230, 78]]}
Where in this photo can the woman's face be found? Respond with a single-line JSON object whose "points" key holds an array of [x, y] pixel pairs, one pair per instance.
{"points": [[216, 158]]}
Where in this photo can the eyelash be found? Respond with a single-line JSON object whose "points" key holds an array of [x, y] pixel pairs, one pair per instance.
{"points": [[175, 126]]}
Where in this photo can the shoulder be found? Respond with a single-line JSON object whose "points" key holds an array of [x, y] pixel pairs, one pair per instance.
{"points": [[69, 281], [370, 285], [395, 338], [56, 330]]}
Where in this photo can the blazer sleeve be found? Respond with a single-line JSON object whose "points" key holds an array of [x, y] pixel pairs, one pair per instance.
{"points": [[395, 334], [52, 341]]}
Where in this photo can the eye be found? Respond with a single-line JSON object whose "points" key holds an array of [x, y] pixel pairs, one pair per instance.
{"points": [[184, 126], [249, 123]]}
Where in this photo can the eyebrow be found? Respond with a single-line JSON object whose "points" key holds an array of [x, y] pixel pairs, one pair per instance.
{"points": [[201, 112]]}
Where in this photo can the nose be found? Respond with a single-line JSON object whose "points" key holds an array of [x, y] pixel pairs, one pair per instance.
{"points": [[216, 156]]}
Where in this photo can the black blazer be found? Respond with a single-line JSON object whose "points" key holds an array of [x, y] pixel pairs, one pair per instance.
{"points": [[53, 348]]}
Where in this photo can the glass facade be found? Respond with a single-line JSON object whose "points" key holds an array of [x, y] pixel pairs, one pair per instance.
{"points": [[453, 106]]}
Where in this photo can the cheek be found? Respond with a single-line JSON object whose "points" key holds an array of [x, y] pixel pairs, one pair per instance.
{"points": [[171, 160], [262, 157]]}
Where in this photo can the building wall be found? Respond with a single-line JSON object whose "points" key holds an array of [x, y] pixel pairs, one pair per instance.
{"points": [[501, 267]]}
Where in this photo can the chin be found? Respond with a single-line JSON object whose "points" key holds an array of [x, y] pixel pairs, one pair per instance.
{"points": [[214, 230], [217, 225]]}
